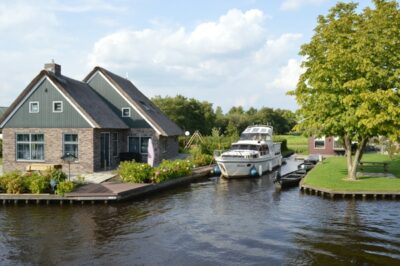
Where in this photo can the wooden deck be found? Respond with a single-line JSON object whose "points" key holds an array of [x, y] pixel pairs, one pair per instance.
{"points": [[105, 192]]}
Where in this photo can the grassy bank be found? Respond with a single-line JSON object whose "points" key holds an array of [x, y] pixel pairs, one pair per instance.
{"points": [[297, 144], [331, 174]]}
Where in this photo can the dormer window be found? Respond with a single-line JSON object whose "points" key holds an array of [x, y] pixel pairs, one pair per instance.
{"points": [[33, 107], [57, 107], [126, 112]]}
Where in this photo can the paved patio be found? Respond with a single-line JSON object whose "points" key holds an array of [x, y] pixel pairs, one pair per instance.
{"points": [[97, 177]]}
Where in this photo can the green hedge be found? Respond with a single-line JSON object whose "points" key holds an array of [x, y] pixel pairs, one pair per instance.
{"points": [[283, 141], [16, 182], [143, 173]]}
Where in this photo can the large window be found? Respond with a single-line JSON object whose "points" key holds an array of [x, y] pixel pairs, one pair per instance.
{"points": [[30, 147], [71, 145], [114, 139], [138, 145]]}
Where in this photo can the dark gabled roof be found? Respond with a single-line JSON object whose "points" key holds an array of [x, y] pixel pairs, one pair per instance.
{"points": [[146, 107], [89, 102], [2, 111], [81, 94]]}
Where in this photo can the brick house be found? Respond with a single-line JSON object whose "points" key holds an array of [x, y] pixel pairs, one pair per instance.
{"points": [[325, 146], [96, 120]]}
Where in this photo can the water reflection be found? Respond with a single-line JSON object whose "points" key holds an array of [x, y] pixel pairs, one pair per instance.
{"points": [[214, 221]]}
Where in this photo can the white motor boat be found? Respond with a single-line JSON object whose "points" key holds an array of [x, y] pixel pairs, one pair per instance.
{"points": [[254, 154]]}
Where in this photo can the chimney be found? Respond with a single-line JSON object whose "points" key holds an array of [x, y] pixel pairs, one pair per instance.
{"points": [[53, 67]]}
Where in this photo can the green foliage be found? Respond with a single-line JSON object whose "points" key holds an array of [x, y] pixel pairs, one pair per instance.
{"points": [[350, 85], [56, 174], [216, 142], [1, 148], [16, 182], [135, 172], [191, 115], [12, 183], [37, 183], [64, 187], [200, 159], [172, 169]]}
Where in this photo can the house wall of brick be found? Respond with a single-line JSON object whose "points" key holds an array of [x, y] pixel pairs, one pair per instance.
{"points": [[327, 150], [53, 148]]}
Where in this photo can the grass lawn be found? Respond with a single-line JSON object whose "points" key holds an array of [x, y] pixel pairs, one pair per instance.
{"points": [[1, 161], [298, 144], [332, 172]]}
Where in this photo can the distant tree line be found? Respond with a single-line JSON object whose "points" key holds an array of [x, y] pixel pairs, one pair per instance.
{"points": [[191, 114]]}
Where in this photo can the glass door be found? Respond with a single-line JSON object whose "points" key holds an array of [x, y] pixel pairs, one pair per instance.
{"points": [[105, 150]]}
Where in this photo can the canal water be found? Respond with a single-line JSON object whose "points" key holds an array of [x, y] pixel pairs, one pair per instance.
{"points": [[212, 222]]}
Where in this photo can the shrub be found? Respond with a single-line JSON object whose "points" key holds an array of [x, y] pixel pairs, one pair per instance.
{"points": [[135, 172], [200, 159], [171, 169], [64, 187], [12, 183], [15, 185], [56, 174], [36, 183]]}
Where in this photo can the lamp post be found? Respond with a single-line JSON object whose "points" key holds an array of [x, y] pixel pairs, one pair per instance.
{"points": [[187, 134], [68, 157]]}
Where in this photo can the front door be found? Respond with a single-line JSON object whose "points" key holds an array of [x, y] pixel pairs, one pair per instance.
{"points": [[105, 150]]}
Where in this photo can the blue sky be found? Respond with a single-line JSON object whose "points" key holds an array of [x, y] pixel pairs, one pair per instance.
{"points": [[226, 52]]}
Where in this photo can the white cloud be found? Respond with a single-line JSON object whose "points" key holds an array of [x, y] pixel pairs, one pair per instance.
{"points": [[295, 4], [230, 59], [288, 76]]}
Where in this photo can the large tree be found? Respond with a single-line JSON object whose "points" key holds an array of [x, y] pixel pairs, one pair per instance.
{"points": [[351, 80]]}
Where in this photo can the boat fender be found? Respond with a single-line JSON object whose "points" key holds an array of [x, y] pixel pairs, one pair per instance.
{"points": [[216, 170], [260, 170], [253, 171]]}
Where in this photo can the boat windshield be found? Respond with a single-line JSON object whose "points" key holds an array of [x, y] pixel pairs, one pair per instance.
{"points": [[244, 147], [255, 136]]}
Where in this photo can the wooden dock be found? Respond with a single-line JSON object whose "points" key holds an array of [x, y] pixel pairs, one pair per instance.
{"points": [[325, 193], [105, 192]]}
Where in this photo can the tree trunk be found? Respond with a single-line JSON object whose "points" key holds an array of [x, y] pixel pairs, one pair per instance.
{"points": [[349, 159], [357, 158]]}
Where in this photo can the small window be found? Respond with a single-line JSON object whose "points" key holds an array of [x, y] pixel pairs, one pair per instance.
{"points": [[57, 107], [33, 107], [319, 143], [126, 112]]}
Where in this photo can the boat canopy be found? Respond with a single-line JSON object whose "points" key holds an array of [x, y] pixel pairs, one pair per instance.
{"points": [[257, 133]]}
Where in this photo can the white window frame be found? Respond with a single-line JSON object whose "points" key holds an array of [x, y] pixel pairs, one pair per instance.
{"points": [[30, 143], [320, 139], [62, 106], [30, 107], [71, 143], [126, 108]]}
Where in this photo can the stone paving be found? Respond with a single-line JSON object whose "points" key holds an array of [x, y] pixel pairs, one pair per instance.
{"points": [[98, 177]]}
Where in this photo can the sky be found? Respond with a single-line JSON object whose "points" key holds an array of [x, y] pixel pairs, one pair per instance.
{"points": [[229, 53]]}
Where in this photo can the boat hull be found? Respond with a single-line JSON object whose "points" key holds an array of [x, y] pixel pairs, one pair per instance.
{"points": [[234, 168]]}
